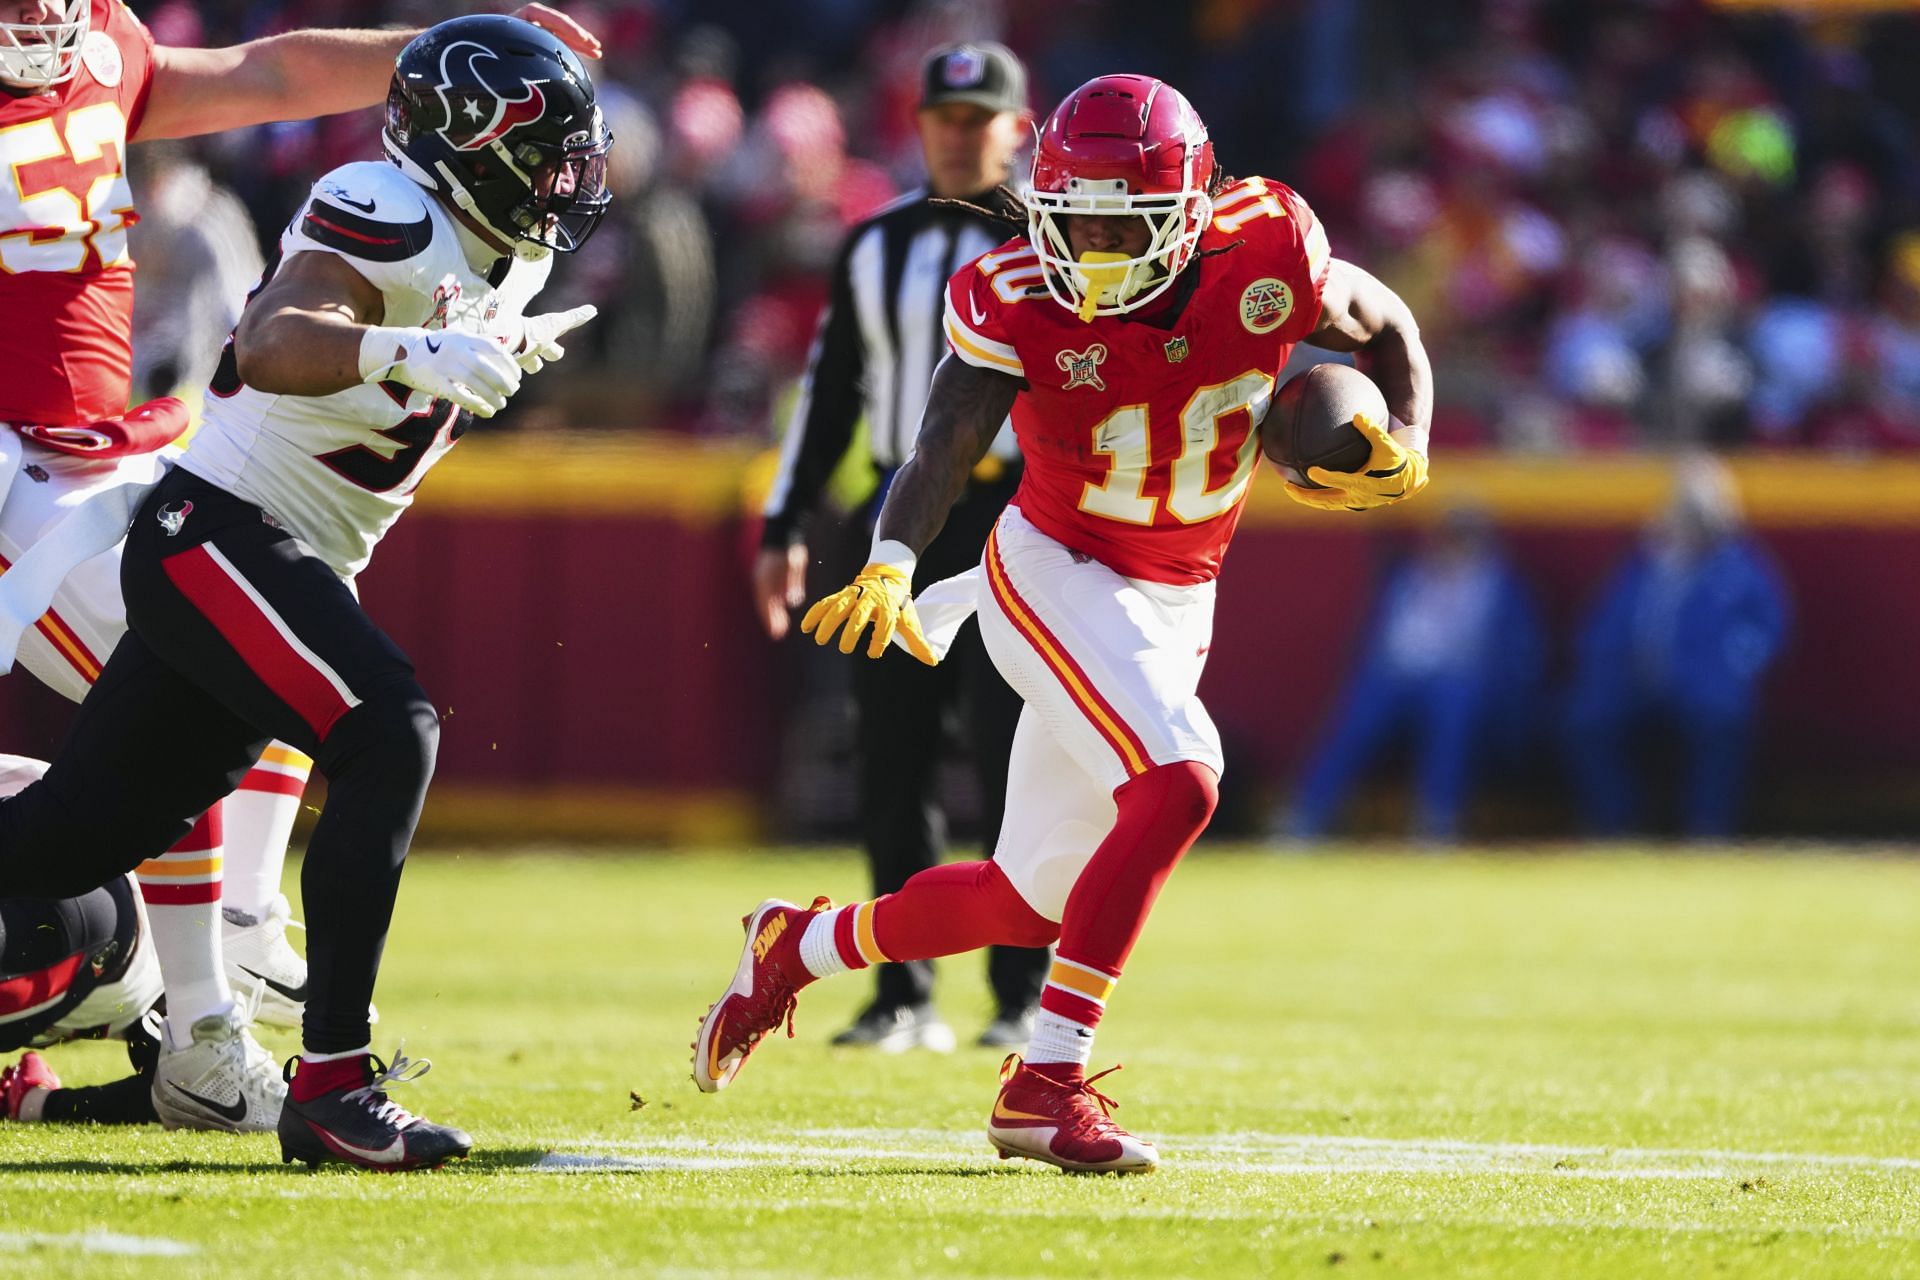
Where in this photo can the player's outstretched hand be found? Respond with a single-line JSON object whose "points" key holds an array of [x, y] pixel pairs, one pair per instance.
{"points": [[1394, 473], [882, 595], [570, 33], [472, 371], [534, 340]]}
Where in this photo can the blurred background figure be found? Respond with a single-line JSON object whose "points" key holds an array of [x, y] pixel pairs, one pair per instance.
{"points": [[879, 340], [198, 259], [1450, 663], [1670, 662]]}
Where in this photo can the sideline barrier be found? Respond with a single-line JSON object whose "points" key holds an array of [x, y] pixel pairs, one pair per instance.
{"points": [[578, 608]]}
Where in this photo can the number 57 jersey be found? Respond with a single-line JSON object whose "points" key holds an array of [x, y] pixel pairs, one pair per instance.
{"points": [[1139, 431], [337, 470]]}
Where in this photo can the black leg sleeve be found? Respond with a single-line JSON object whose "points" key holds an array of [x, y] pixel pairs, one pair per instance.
{"points": [[125, 1101], [377, 763]]}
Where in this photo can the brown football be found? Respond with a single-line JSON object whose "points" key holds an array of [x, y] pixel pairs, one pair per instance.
{"points": [[1310, 423]]}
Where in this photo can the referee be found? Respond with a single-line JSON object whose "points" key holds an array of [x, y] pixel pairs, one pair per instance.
{"points": [[879, 341]]}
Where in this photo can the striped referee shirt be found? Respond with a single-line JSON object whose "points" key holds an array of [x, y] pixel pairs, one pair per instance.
{"points": [[879, 340]]}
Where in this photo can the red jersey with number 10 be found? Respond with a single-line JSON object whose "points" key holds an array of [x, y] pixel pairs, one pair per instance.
{"points": [[66, 280], [1140, 439]]}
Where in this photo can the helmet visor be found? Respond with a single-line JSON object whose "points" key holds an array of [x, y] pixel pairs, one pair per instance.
{"points": [[568, 193], [1117, 284]]}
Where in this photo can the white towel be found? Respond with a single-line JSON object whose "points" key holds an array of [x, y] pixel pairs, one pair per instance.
{"points": [[27, 589], [943, 607]]}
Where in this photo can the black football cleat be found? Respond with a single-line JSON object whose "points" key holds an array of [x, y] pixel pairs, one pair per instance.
{"points": [[340, 1111]]}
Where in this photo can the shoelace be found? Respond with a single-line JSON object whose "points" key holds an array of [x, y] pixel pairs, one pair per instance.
{"points": [[1085, 1120], [1082, 1120], [781, 995], [404, 1070]]}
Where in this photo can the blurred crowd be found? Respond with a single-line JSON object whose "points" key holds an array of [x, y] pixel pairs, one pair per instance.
{"points": [[1652, 726], [1622, 223]]}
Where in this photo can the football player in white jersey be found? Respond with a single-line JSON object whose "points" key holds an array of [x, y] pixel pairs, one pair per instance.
{"points": [[79, 81], [395, 307]]}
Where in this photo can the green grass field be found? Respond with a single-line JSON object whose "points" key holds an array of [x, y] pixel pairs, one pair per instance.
{"points": [[1562, 1066]]}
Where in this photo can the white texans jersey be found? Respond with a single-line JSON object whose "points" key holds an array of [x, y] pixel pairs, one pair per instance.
{"points": [[338, 470]]}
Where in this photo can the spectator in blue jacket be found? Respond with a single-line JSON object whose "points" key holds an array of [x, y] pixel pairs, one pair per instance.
{"points": [[1451, 661], [1674, 654]]}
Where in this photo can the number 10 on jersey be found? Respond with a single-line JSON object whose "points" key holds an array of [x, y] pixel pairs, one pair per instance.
{"points": [[1126, 436]]}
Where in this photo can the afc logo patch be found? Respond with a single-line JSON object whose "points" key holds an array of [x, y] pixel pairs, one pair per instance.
{"points": [[1265, 305], [1083, 367]]}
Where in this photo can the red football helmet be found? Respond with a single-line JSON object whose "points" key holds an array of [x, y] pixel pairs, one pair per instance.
{"points": [[1120, 146]]}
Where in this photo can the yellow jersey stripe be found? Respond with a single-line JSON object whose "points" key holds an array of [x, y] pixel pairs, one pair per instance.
{"points": [[980, 355], [1039, 639]]}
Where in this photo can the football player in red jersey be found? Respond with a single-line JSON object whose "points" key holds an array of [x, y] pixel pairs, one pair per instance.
{"points": [[79, 80], [1135, 333]]}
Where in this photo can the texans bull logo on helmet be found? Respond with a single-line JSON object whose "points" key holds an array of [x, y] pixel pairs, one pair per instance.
{"points": [[478, 117]]}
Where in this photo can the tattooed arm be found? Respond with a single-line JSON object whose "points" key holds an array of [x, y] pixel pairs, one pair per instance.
{"points": [[965, 410]]}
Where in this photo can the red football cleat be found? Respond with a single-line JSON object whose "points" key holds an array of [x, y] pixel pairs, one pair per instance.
{"points": [[17, 1081], [1067, 1124], [761, 995]]}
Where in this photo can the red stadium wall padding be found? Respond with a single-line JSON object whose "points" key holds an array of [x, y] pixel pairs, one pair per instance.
{"points": [[602, 656]]}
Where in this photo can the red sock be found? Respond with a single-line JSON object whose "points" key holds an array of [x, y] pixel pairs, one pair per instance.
{"points": [[960, 906], [311, 1079], [1161, 813]]}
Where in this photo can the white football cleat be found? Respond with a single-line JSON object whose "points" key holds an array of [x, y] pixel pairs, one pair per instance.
{"points": [[260, 962], [222, 1080], [262, 965]]}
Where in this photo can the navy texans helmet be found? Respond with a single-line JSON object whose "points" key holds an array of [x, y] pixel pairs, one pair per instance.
{"points": [[498, 116]]}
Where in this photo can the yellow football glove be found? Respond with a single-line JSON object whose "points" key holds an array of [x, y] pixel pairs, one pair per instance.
{"points": [[882, 595], [1393, 474]]}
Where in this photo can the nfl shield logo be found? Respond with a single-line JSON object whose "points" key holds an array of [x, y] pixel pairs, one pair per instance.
{"points": [[1083, 367], [964, 69], [1176, 350]]}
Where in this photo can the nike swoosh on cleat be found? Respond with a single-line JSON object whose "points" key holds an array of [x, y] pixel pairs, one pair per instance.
{"points": [[298, 993], [235, 1111], [393, 1153], [713, 1048], [1001, 1111], [355, 204], [432, 346]]}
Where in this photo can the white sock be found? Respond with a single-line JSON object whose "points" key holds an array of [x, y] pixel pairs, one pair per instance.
{"points": [[307, 1055], [1059, 1039], [33, 1105], [818, 951], [182, 892], [259, 824]]}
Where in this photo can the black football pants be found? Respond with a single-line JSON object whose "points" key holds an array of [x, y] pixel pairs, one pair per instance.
{"points": [[237, 635], [903, 705]]}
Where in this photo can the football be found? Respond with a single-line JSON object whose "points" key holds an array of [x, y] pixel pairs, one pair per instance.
{"points": [[1310, 423]]}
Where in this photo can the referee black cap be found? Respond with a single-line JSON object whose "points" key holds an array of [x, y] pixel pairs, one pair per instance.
{"points": [[979, 71]]}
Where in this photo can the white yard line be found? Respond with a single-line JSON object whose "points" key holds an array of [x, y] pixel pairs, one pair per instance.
{"points": [[98, 1242], [1254, 1153]]}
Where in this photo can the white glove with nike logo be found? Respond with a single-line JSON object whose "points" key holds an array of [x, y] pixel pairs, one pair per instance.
{"points": [[466, 368], [532, 340]]}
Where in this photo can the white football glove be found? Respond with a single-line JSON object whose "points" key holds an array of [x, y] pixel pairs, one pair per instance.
{"points": [[466, 368], [532, 339]]}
